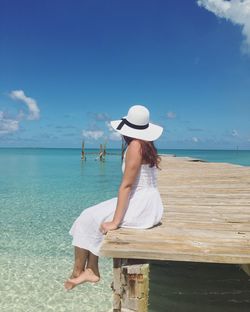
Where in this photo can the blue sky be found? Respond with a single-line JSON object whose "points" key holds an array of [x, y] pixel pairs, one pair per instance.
{"points": [[68, 67]]}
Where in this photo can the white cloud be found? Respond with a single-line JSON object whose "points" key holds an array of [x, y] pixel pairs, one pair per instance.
{"points": [[109, 126], [171, 115], [10, 125], [21, 115], [195, 139], [7, 125], [92, 134], [235, 133], [113, 135], [34, 111], [236, 11]]}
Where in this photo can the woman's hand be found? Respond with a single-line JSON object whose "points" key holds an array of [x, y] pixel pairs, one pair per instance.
{"points": [[108, 226]]}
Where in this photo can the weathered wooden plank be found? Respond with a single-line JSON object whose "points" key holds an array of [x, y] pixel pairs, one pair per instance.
{"points": [[210, 226], [169, 236], [198, 251]]}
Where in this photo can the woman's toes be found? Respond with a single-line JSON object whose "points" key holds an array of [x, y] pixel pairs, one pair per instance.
{"points": [[69, 285]]}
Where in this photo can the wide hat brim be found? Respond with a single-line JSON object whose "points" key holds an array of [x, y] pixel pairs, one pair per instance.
{"points": [[151, 133]]}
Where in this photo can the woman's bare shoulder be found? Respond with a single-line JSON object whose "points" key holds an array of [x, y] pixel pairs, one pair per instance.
{"points": [[134, 149], [134, 146]]}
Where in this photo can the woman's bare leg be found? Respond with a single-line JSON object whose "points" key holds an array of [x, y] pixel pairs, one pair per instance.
{"points": [[92, 264], [81, 257], [90, 274]]}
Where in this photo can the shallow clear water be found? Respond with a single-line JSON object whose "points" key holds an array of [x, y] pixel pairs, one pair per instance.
{"points": [[42, 191]]}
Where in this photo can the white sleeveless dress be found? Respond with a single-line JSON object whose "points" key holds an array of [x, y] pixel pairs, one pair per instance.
{"points": [[144, 211]]}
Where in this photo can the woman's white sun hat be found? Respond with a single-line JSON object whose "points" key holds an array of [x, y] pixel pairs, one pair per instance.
{"points": [[136, 125]]}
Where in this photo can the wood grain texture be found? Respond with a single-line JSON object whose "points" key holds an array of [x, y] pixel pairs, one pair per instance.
{"points": [[206, 217]]}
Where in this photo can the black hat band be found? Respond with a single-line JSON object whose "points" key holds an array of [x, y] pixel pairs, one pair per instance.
{"points": [[129, 124]]}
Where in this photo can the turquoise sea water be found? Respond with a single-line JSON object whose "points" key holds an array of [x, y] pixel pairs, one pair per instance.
{"points": [[42, 191]]}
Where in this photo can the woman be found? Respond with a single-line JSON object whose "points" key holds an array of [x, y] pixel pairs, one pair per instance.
{"points": [[138, 204]]}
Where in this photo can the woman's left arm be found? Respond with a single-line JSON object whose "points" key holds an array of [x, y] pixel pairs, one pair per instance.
{"points": [[132, 165]]}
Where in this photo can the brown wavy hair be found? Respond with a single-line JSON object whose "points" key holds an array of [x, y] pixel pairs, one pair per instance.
{"points": [[148, 151]]}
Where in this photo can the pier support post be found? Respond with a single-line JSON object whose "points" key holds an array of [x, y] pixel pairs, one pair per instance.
{"points": [[130, 285]]}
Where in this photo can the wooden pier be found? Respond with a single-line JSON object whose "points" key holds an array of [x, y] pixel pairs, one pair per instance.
{"points": [[206, 219]]}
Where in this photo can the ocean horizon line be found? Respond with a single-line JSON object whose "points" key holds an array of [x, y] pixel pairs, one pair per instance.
{"points": [[117, 148]]}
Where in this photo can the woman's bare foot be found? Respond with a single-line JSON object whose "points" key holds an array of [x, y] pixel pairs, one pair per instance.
{"points": [[86, 276], [75, 274]]}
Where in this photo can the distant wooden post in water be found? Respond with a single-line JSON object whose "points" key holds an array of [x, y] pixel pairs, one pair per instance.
{"points": [[101, 155], [206, 219], [83, 157]]}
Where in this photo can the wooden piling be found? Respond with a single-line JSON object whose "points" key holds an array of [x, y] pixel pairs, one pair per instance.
{"points": [[130, 286], [246, 268]]}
